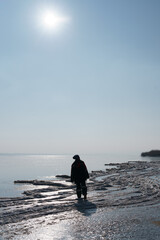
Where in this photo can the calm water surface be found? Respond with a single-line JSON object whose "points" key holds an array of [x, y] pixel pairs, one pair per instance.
{"points": [[25, 167]]}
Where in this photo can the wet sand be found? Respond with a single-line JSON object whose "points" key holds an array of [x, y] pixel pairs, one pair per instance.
{"points": [[123, 203]]}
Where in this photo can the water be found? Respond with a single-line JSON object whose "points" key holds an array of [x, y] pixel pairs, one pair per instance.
{"points": [[28, 167]]}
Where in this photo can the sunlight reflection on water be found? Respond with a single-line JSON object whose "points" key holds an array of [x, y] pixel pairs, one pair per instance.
{"points": [[105, 223]]}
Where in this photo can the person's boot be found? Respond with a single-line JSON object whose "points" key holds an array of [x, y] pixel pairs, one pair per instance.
{"points": [[79, 193], [84, 191]]}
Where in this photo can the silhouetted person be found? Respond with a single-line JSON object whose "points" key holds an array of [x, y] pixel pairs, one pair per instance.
{"points": [[79, 175]]}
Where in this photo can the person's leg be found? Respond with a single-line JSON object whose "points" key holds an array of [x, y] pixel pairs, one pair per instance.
{"points": [[78, 189], [84, 189]]}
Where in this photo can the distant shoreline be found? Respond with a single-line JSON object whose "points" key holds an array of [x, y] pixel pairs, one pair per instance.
{"points": [[152, 153]]}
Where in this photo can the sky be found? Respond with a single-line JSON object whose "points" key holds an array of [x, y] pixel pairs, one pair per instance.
{"points": [[79, 76]]}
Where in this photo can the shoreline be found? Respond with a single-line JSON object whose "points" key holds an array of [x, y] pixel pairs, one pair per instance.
{"points": [[129, 184]]}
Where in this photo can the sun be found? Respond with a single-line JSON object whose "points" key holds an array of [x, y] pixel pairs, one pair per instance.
{"points": [[52, 20]]}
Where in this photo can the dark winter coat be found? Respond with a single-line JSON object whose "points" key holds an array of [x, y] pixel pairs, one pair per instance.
{"points": [[79, 171]]}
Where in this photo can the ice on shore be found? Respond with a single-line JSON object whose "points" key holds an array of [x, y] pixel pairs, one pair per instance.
{"points": [[127, 184]]}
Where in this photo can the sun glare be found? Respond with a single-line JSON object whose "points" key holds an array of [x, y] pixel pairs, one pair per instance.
{"points": [[53, 21]]}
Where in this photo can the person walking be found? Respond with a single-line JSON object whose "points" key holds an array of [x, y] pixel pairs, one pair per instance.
{"points": [[79, 175]]}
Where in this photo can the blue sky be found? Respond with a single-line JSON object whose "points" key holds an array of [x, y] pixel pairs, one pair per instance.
{"points": [[92, 87]]}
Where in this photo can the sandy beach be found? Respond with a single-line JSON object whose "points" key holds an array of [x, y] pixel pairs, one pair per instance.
{"points": [[123, 203]]}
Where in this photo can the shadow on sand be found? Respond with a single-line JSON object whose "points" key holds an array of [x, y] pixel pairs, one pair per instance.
{"points": [[86, 207]]}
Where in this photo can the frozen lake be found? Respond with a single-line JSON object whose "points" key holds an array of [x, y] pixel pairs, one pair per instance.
{"points": [[123, 203], [26, 166]]}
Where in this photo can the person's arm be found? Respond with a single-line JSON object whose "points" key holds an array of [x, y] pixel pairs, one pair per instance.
{"points": [[72, 174], [87, 174], [86, 171]]}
